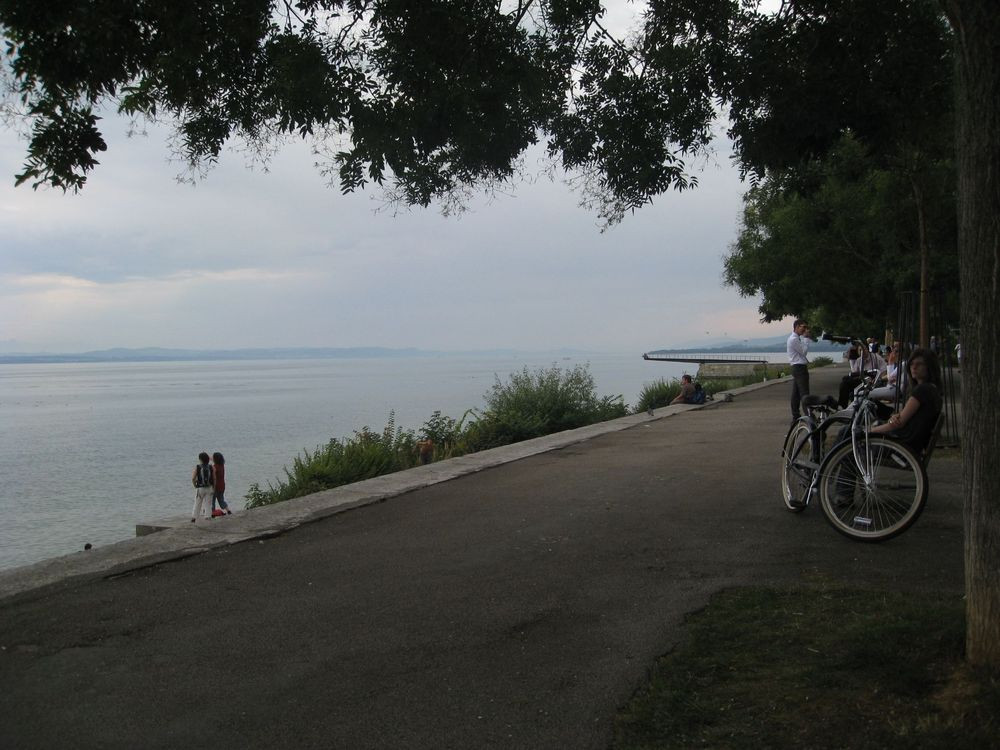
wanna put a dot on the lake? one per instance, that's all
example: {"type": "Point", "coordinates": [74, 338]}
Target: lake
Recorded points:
{"type": "Point", "coordinates": [88, 450]}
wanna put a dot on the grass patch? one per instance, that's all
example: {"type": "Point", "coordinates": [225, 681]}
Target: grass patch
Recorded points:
{"type": "Point", "coordinates": [817, 668]}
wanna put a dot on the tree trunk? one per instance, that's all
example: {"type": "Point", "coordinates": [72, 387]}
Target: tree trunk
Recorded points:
{"type": "Point", "coordinates": [977, 30]}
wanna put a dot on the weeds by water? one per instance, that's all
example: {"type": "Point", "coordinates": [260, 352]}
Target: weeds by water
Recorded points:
{"type": "Point", "coordinates": [528, 405]}
{"type": "Point", "coordinates": [533, 404]}
{"type": "Point", "coordinates": [365, 455]}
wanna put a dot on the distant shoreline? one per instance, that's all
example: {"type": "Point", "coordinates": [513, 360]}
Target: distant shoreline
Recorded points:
{"type": "Point", "coordinates": [196, 355]}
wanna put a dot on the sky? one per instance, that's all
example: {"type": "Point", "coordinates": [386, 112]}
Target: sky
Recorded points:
{"type": "Point", "coordinates": [248, 258]}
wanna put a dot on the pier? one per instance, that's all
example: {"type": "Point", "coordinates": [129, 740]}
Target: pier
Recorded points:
{"type": "Point", "coordinates": [701, 359]}
{"type": "Point", "coordinates": [718, 366]}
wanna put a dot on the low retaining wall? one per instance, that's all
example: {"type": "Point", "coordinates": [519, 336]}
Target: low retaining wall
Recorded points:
{"type": "Point", "coordinates": [708, 370]}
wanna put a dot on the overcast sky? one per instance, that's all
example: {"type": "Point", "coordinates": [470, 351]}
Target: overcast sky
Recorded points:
{"type": "Point", "coordinates": [252, 259]}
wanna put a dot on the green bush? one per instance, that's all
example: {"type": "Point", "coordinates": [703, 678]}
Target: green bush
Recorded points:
{"type": "Point", "coordinates": [532, 404]}
{"type": "Point", "coordinates": [529, 405]}
{"type": "Point", "coordinates": [657, 394]}
{"type": "Point", "coordinates": [365, 455]}
{"type": "Point", "coordinates": [446, 434]}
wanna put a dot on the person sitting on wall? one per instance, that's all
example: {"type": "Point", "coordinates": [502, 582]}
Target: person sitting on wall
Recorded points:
{"type": "Point", "coordinates": [686, 396]}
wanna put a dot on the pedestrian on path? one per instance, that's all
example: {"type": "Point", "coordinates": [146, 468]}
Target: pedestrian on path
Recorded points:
{"type": "Point", "coordinates": [798, 348]}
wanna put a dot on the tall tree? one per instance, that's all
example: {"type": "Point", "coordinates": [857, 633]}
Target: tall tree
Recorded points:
{"type": "Point", "coordinates": [889, 81]}
{"type": "Point", "coordinates": [836, 239]}
{"type": "Point", "coordinates": [441, 94]}
{"type": "Point", "coordinates": [977, 33]}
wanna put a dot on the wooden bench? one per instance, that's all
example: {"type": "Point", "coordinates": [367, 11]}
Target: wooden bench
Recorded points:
{"type": "Point", "coordinates": [925, 456]}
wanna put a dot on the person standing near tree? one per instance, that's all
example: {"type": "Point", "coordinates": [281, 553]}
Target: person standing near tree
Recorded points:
{"type": "Point", "coordinates": [798, 348]}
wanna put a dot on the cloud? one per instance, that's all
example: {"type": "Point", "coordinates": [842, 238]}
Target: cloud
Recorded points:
{"type": "Point", "coordinates": [278, 258]}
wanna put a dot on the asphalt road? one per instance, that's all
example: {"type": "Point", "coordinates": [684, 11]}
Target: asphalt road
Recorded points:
{"type": "Point", "coordinates": [517, 607]}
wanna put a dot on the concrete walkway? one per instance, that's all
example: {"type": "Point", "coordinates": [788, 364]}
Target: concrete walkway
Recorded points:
{"type": "Point", "coordinates": [516, 605]}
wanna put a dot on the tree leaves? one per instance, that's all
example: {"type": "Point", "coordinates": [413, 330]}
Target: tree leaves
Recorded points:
{"type": "Point", "coordinates": [835, 240]}
{"type": "Point", "coordinates": [441, 95]}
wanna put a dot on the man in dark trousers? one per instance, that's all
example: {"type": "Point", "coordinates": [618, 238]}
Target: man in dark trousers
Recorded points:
{"type": "Point", "coordinates": [798, 348]}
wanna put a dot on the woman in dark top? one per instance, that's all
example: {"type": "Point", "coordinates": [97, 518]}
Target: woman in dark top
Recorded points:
{"type": "Point", "coordinates": [914, 423]}
{"type": "Point", "coordinates": [219, 495]}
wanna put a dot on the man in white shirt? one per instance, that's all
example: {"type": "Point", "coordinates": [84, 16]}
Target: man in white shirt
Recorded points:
{"type": "Point", "coordinates": [798, 348]}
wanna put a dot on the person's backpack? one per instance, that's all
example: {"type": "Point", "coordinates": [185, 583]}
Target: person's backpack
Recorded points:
{"type": "Point", "coordinates": [203, 475]}
{"type": "Point", "coordinates": [699, 394]}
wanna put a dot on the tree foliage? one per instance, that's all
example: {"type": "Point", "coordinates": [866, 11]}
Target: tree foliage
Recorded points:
{"type": "Point", "coordinates": [836, 240]}
{"type": "Point", "coordinates": [437, 93]}
{"type": "Point", "coordinates": [803, 76]}
{"type": "Point", "coordinates": [436, 96]}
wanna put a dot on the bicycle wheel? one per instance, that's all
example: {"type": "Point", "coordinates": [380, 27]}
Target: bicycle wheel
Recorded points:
{"type": "Point", "coordinates": [875, 502]}
{"type": "Point", "coordinates": [796, 467]}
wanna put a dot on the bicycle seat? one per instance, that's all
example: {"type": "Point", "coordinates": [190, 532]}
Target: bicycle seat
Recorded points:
{"type": "Point", "coordinates": [827, 402]}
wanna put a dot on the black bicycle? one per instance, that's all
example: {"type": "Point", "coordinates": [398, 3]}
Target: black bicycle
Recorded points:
{"type": "Point", "coordinates": [870, 487]}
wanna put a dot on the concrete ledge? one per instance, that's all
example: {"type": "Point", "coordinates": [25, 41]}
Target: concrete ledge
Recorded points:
{"type": "Point", "coordinates": [180, 539]}
{"type": "Point", "coordinates": [710, 370]}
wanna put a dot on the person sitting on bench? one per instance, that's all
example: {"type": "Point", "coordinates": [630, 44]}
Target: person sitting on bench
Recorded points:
{"type": "Point", "coordinates": [914, 424]}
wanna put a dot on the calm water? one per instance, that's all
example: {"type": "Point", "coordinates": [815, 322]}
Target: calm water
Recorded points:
{"type": "Point", "coordinates": [88, 450]}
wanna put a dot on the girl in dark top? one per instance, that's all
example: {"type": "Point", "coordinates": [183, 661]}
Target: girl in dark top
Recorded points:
{"type": "Point", "coordinates": [219, 495]}
{"type": "Point", "coordinates": [914, 423]}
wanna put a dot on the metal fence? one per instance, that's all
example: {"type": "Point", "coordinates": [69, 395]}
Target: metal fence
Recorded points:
{"type": "Point", "coordinates": [944, 339]}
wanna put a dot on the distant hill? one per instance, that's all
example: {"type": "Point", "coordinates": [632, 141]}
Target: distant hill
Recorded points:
{"type": "Point", "coordinates": [157, 354]}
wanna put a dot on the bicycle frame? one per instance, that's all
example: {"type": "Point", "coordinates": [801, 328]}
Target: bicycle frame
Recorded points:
{"type": "Point", "coordinates": [863, 413]}
{"type": "Point", "coordinates": [861, 422]}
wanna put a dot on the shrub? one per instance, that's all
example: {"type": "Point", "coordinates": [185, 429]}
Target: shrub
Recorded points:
{"type": "Point", "coordinates": [365, 455]}
{"type": "Point", "coordinates": [532, 404]}
{"type": "Point", "coordinates": [657, 394]}
{"type": "Point", "coordinates": [446, 434]}
{"type": "Point", "coordinates": [529, 405]}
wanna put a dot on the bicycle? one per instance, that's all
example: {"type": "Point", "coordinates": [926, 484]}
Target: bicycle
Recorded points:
{"type": "Point", "coordinates": [870, 488]}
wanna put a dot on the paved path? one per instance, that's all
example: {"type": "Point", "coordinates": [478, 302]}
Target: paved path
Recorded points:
{"type": "Point", "coordinates": [515, 607]}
